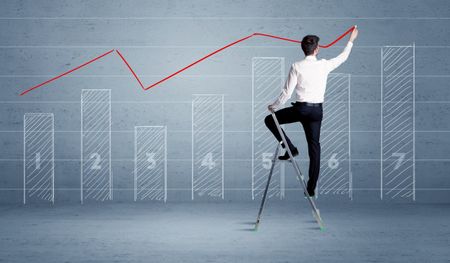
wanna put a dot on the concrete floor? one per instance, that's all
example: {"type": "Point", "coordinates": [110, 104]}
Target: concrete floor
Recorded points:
{"type": "Point", "coordinates": [222, 232]}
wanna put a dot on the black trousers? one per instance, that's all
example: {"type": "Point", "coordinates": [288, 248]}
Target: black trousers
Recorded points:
{"type": "Point", "coordinates": [311, 119]}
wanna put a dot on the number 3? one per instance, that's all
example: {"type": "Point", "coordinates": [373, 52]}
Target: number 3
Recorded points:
{"type": "Point", "coordinates": [151, 160]}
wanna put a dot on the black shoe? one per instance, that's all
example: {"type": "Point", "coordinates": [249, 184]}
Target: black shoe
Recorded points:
{"type": "Point", "coordinates": [310, 193]}
{"type": "Point", "coordinates": [286, 155]}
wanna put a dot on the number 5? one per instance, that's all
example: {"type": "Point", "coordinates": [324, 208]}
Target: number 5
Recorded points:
{"type": "Point", "coordinates": [267, 160]}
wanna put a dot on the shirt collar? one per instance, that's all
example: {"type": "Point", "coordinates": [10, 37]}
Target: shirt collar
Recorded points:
{"type": "Point", "coordinates": [311, 57]}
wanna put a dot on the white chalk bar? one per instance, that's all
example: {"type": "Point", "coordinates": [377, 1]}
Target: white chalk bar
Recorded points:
{"type": "Point", "coordinates": [335, 166]}
{"type": "Point", "coordinates": [398, 123]}
{"type": "Point", "coordinates": [96, 177]}
{"type": "Point", "coordinates": [268, 77]}
{"type": "Point", "coordinates": [207, 146]}
{"type": "Point", "coordinates": [38, 157]}
{"type": "Point", "coordinates": [150, 163]}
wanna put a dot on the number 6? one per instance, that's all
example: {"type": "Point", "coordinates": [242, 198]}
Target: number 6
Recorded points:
{"type": "Point", "coordinates": [333, 162]}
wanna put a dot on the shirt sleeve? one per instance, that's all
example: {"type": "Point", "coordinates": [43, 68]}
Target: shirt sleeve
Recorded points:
{"type": "Point", "coordinates": [286, 91]}
{"type": "Point", "coordinates": [333, 63]}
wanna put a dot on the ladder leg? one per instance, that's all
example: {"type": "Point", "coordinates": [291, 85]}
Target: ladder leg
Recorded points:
{"type": "Point", "coordinates": [299, 175]}
{"type": "Point", "coordinates": [263, 201]}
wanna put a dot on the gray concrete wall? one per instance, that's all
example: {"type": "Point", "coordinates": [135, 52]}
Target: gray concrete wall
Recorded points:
{"type": "Point", "coordinates": [39, 39]}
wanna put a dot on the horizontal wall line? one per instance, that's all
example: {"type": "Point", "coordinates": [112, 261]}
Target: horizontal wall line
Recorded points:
{"type": "Point", "coordinates": [193, 76]}
{"type": "Point", "coordinates": [110, 46]}
{"type": "Point", "coordinates": [240, 131]}
{"type": "Point", "coordinates": [235, 189]}
{"type": "Point", "coordinates": [225, 102]}
{"type": "Point", "coordinates": [234, 160]}
{"type": "Point", "coordinates": [221, 18]}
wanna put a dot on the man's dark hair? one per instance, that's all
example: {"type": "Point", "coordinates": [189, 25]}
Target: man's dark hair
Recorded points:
{"type": "Point", "coordinates": [309, 44]}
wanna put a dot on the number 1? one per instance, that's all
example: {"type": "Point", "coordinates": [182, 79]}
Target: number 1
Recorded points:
{"type": "Point", "coordinates": [38, 161]}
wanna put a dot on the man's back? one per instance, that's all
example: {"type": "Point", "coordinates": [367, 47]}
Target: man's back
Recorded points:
{"type": "Point", "coordinates": [311, 79]}
{"type": "Point", "coordinates": [308, 77]}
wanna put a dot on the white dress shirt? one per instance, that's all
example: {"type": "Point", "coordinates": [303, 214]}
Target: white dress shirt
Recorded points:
{"type": "Point", "coordinates": [308, 78]}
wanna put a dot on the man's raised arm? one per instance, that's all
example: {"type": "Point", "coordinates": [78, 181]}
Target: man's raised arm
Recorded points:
{"type": "Point", "coordinates": [333, 63]}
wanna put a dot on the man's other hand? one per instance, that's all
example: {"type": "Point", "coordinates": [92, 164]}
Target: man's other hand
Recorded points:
{"type": "Point", "coordinates": [271, 108]}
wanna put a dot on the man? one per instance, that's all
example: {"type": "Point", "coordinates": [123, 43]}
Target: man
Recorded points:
{"type": "Point", "coordinates": [308, 78]}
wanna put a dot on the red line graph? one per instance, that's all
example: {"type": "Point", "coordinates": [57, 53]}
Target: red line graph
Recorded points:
{"type": "Point", "coordinates": [182, 69]}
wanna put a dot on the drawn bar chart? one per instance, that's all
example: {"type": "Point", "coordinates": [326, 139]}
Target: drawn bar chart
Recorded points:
{"type": "Point", "coordinates": [38, 157]}
{"type": "Point", "coordinates": [207, 146]}
{"type": "Point", "coordinates": [335, 167]}
{"type": "Point", "coordinates": [398, 122]}
{"type": "Point", "coordinates": [267, 81]}
{"type": "Point", "coordinates": [96, 176]}
{"type": "Point", "coordinates": [150, 163]}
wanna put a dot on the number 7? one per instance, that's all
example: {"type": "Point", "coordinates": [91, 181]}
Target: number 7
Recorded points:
{"type": "Point", "coordinates": [401, 158]}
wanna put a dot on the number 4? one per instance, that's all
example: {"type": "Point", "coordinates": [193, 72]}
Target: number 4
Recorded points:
{"type": "Point", "coordinates": [208, 161]}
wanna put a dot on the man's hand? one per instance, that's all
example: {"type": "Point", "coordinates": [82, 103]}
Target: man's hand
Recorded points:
{"type": "Point", "coordinates": [271, 108]}
{"type": "Point", "coordinates": [354, 34]}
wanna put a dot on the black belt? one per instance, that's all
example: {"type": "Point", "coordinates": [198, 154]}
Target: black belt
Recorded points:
{"type": "Point", "coordinates": [309, 104]}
